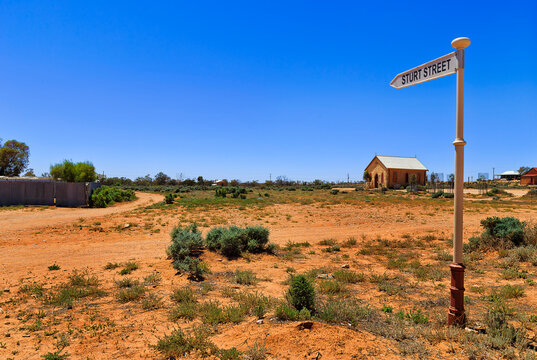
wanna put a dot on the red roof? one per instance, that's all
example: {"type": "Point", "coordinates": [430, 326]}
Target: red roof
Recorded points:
{"type": "Point", "coordinates": [531, 173]}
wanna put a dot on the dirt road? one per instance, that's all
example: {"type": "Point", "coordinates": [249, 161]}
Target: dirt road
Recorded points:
{"type": "Point", "coordinates": [35, 217]}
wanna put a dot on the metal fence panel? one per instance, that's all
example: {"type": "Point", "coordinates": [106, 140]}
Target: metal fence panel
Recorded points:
{"type": "Point", "coordinates": [71, 194]}
{"type": "Point", "coordinates": [44, 192]}
{"type": "Point", "coordinates": [39, 193]}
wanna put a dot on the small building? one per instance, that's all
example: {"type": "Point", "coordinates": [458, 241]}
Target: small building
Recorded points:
{"type": "Point", "coordinates": [395, 171]}
{"type": "Point", "coordinates": [529, 178]}
{"type": "Point", "coordinates": [220, 183]}
{"type": "Point", "coordinates": [509, 175]}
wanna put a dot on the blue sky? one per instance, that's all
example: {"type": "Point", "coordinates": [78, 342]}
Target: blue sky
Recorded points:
{"type": "Point", "coordinates": [246, 89]}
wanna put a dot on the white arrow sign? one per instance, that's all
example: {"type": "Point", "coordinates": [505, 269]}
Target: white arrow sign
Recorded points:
{"type": "Point", "coordinates": [443, 66]}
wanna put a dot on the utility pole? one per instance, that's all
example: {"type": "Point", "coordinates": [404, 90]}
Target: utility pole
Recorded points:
{"type": "Point", "coordinates": [492, 174]}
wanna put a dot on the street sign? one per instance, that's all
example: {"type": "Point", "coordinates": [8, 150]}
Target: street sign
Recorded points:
{"type": "Point", "coordinates": [446, 65]}
{"type": "Point", "coordinates": [443, 66]}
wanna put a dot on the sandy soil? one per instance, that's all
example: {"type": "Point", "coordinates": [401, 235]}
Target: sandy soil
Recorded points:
{"type": "Point", "coordinates": [39, 217]}
{"type": "Point", "coordinates": [77, 239]}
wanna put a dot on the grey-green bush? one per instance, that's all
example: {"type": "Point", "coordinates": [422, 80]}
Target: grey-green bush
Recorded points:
{"type": "Point", "coordinates": [186, 247]}
{"type": "Point", "coordinates": [233, 240]}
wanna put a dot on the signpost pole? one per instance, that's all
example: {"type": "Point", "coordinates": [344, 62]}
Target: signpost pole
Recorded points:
{"type": "Point", "coordinates": [456, 314]}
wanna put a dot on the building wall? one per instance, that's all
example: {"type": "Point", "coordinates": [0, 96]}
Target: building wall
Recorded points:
{"type": "Point", "coordinates": [379, 174]}
{"type": "Point", "coordinates": [402, 177]}
{"type": "Point", "coordinates": [529, 180]}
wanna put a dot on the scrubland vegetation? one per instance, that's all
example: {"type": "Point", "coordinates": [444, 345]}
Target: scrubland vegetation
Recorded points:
{"type": "Point", "coordinates": [234, 278]}
{"type": "Point", "coordinates": [105, 196]}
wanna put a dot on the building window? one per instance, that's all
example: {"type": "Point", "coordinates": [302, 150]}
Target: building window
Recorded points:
{"type": "Point", "coordinates": [382, 178]}
{"type": "Point", "coordinates": [395, 177]}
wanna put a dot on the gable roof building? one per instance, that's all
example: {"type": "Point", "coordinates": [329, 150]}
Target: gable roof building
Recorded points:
{"type": "Point", "coordinates": [529, 178]}
{"type": "Point", "coordinates": [395, 171]}
{"type": "Point", "coordinates": [509, 175]}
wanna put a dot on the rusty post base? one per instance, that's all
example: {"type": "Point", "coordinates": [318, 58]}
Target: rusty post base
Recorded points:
{"type": "Point", "coordinates": [456, 314]}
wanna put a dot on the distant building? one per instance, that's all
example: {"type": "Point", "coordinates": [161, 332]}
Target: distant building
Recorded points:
{"type": "Point", "coordinates": [220, 183]}
{"type": "Point", "coordinates": [529, 178]}
{"type": "Point", "coordinates": [395, 171]}
{"type": "Point", "coordinates": [509, 175]}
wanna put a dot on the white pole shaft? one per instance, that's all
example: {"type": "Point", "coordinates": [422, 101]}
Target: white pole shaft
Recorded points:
{"type": "Point", "coordinates": [459, 168]}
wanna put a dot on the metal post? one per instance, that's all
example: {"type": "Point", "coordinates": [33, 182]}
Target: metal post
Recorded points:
{"type": "Point", "coordinates": [456, 314]}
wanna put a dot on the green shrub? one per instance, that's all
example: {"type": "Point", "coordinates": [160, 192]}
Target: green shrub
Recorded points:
{"type": "Point", "coordinates": [334, 191]}
{"type": "Point", "coordinates": [178, 344]}
{"type": "Point", "coordinates": [168, 199]}
{"type": "Point", "coordinates": [437, 194]}
{"type": "Point", "coordinates": [233, 240]}
{"type": "Point", "coordinates": [417, 317]}
{"type": "Point", "coordinates": [286, 312]}
{"type": "Point", "coordinates": [80, 285]}
{"type": "Point", "coordinates": [185, 310]}
{"type": "Point", "coordinates": [220, 192]}
{"type": "Point", "coordinates": [229, 354]}
{"type": "Point", "coordinates": [500, 233]}
{"type": "Point", "coordinates": [350, 242]}
{"type": "Point", "coordinates": [496, 192]}
{"type": "Point", "coordinates": [151, 302]}
{"type": "Point", "coordinates": [245, 277]}
{"type": "Point", "coordinates": [258, 237]}
{"type": "Point", "coordinates": [105, 196]}
{"type": "Point", "coordinates": [131, 293]}
{"type": "Point", "coordinates": [186, 247]}
{"type": "Point", "coordinates": [301, 293]}
{"type": "Point", "coordinates": [129, 268]}
{"type": "Point", "coordinates": [183, 295]}
{"type": "Point", "coordinates": [498, 328]}
{"type": "Point", "coordinates": [212, 240]}
{"type": "Point", "coordinates": [55, 356]}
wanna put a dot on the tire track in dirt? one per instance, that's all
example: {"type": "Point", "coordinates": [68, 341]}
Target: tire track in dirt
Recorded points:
{"type": "Point", "coordinates": [36, 218]}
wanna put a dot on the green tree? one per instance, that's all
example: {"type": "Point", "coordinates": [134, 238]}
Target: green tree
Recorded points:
{"type": "Point", "coordinates": [14, 157]}
{"type": "Point", "coordinates": [71, 172]}
{"type": "Point", "coordinates": [523, 170]}
{"type": "Point", "coordinates": [367, 176]}
{"type": "Point", "coordinates": [161, 179]}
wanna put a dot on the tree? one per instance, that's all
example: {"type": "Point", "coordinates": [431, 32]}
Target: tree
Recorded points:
{"type": "Point", "coordinates": [14, 157]}
{"type": "Point", "coordinates": [29, 172]}
{"type": "Point", "coordinates": [73, 172]}
{"type": "Point", "coordinates": [200, 180]}
{"type": "Point", "coordinates": [367, 176]}
{"type": "Point", "coordinates": [523, 170]}
{"type": "Point", "coordinates": [162, 179]}
{"type": "Point", "coordinates": [144, 181]}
